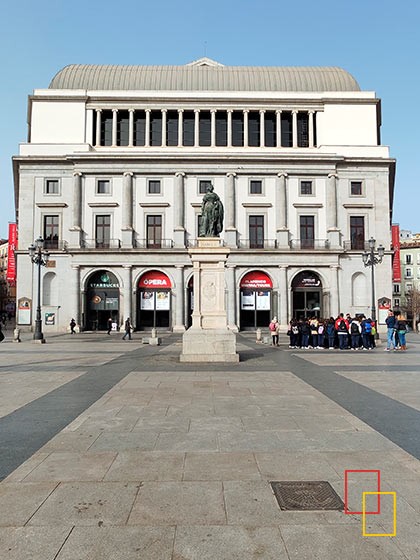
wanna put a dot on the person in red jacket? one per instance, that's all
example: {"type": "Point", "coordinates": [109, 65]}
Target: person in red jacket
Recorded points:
{"type": "Point", "coordinates": [342, 328]}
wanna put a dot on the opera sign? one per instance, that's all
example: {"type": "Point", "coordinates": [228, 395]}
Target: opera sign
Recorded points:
{"type": "Point", "coordinates": [154, 279]}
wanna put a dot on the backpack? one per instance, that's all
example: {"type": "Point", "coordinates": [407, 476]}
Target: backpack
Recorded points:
{"type": "Point", "coordinates": [354, 329]}
{"type": "Point", "coordinates": [368, 327]}
{"type": "Point", "coordinates": [342, 326]}
{"type": "Point", "coordinates": [295, 329]}
{"type": "Point", "coordinates": [330, 329]}
{"type": "Point", "coordinates": [272, 326]}
{"type": "Point", "coordinates": [373, 330]}
{"type": "Point", "coordinates": [321, 329]}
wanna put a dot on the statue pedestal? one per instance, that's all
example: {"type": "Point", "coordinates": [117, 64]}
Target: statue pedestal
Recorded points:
{"type": "Point", "coordinates": [209, 339]}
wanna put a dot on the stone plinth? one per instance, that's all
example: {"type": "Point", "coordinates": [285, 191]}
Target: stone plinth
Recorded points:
{"type": "Point", "coordinates": [209, 339]}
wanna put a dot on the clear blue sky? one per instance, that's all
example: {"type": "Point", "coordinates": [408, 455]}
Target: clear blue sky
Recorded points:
{"type": "Point", "coordinates": [375, 40]}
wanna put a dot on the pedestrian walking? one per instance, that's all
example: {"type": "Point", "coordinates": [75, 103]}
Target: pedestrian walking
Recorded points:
{"type": "Point", "coordinates": [402, 331]}
{"type": "Point", "coordinates": [390, 325]}
{"type": "Point", "coordinates": [109, 325]}
{"type": "Point", "coordinates": [127, 327]}
{"type": "Point", "coordinates": [72, 325]}
{"type": "Point", "coordinates": [342, 328]}
{"type": "Point", "coordinates": [355, 332]}
{"type": "Point", "coordinates": [273, 327]}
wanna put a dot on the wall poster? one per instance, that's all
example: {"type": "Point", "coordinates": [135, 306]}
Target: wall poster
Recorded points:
{"type": "Point", "coordinates": [263, 300]}
{"type": "Point", "coordinates": [248, 300]}
{"type": "Point", "coordinates": [147, 301]}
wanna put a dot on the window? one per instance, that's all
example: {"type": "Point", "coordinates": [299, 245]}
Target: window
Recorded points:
{"type": "Point", "coordinates": [238, 128]}
{"type": "Point", "coordinates": [356, 188]}
{"type": "Point", "coordinates": [286, 130]}
{"type": "Point", "coordinates": [408, 273]}
{"type": "Point", "coordinates": [172, 128]}
{"type": "Point", "coordinates": [106, 128]}
{"type": "Point", "coordinates": [154, 232]}
{"type": "Point", "coordinates": [253, 128]}
{"type": "Point", "coordinates": [122, 128]}
{"type": "Point", "coordinates": [139, 128]}
{"type": "Point", "coordinates": [221, 128]}
{"type": "Point", "coordinates": [51, 225]}
{"type": "Point", "coordinates": [156, 128]}
{"type": "Point", "coordinates": [396, 302]}
{"type": "Point", "coordinates": [357, 233]}
{"type": "Point", "coordinates": [270, 138]}
{"type": "Point", "coordinates": [188, 128]}
{"type": "Point", "coordinates": [408, 287]}
{"type": "Point", "coordinates": [307, 232]}
{"type": "Point", "coordinates": [103, 186]}
{"type": "Point", "coordinates": [303, 130]}
{"type": "Point", "coordinates": [306, 187]}
{"type": "Point", "coordinates": [256, 232]}
{"type": "Point", "coordinates": [154, 186]}
{"type": "Point", "coordinates": [255, 187]}
{"type": "Point", "coordinates": [408, 259]}
{"type": "Point", "coordinates": [205, 128]}
{"type": "Point", "coordinates": [52, 186]}
{"type": "Point", "coordinates": [202, 186]}
{"type": "Point", "coordinates": [103, 231]}
{"type": "Point", "coordinates": [397, 288]}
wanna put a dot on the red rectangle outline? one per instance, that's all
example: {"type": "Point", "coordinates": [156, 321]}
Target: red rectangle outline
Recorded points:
{"type": "Point", "coordinates": [345, 493]}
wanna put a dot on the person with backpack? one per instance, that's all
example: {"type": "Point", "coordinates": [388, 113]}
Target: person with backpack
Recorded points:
{"type": "Point", "coordinates": [294, 334]}
{"type": "Point", "coordinates": [401, 327]}
{"type": "Point", "coordinates": [330, 332]}
{"type": "Point", "coordinates": [305, 330]}
{"type": "Point", "coordinates": [372, 333]}
{"type": "Point", "coordinates": [273, 328]}
{"type": "Point", "coordinates": [366, 333]}
{"type": "Point", "coordinates": [314, 324]}
{"type": "Point", "coordinates": [355, 331]}
{"type": "Point", "coordinates": [342, 328]}
{"type": "Point", "coordinates": [321, 335]}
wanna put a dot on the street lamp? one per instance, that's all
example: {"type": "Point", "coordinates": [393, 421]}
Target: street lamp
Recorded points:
{"type": "Point", "coordinates": [39, 257]}
{"type": "Point", "coordinates": [372, 258]}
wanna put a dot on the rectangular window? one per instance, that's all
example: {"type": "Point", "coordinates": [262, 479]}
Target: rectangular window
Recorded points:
{"type": "Point", "coordinates": [396, 302]}
{"type": "Point", "coordinates": [256, 232]}
{"type": "Point", "coordinates": [270, 137]}
{"type": "Point", "coordinates": [303, 130]}
{"type": "Point", "coordinates": [156, 128]}
{"type": "Point", "coordinates": [408, 259]}
{"type": "Point", "coordinates": [139, 128]}
{"type": "Point", "coordinates": [286, 130]}
{"type": "Point", "coordinates": [103, 186]}
{"type": "Point", "coordinates": [397, 288]}
{"type": "Point", "coordinates": [255, 187]}
{"type": "Point", "coordinates": [357, 233]}
{"type": "Point", "coordinates": [198, 224]}
{"type": "Point", "coordinates": [307, 232]}
{"type": "Point", "coordinates": [172, 128]}
{"type": "Point", "coordinates": [253, 128]}
{"type": "Point", "coordinates": [221, 128]}
{"type": "Point", "coordinates": [202, 186]}
{"type": "Point", "coordinates": [408, 273]}
{"type": "Point", "coordinates": [188, 128]}
{"type": "Point", "coordinates": [356, 188]}
{"type": "Point", "coordinates": [122, 128]}
{"type": "Point", "coordinates": [154, 232]}
{"type": "Point", "coordinates": [306, 187]}
{"type": "Point", "coordinates": [237, 128]}
{"type": "Point", "coordinates": [51, 186]}
{"type": "Point", "coordinates": [153, 186]}
{"type": "Point", "coordinates": [106, 128]}
{"type": "Point", "coordinates": [103, 231]}
{"type": "Point", "coordinates": [408, 287]}
{"type": "Point", "coordinates": [51, 231]}
{"type": "Point", "coordinates": [204, 128]}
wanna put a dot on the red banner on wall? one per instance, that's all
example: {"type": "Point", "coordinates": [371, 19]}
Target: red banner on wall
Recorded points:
{"type": "Point", "coordinates": [396, 262]}
{"type": "Point", "coordinates": [11, 259]}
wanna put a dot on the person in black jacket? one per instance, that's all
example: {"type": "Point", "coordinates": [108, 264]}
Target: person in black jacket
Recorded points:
{"type": "Point", "coordinates": [390, 321]}
{"type": "Point", "coordinates": [305, 330]}
{"type": "Point", "coordinates": [401, 327]}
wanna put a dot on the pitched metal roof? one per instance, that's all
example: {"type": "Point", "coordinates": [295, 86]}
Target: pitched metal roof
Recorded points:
{"type": "Point", "coordinates": [204, 77]}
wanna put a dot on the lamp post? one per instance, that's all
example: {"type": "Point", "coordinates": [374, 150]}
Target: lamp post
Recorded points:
{"type": "Point", "coordinates": [372, 258]}
{"type": "Point", "coordinates": [39, 257]}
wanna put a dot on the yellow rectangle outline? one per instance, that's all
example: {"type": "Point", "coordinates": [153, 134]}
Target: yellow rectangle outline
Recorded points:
{"type": "Point", "coordinates": [364, 516]}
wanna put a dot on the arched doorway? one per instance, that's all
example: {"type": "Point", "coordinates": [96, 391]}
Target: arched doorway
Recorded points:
{"type": "Point", "coordinates": [307, 295]}
{"type": "Point", "coordinates": [103, 300]}
{"type": "Point", "coordinates": [154, 301]}
{"type": "Point", "coordinates": [255, 299]}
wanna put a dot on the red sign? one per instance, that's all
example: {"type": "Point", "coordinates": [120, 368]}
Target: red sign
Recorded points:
{"type": "Point", "coordinates": [396, 261]}
{"type": "Point", "coordinates": [256, 280]}
{"type": "Point", "coordinates": [154, 279]}
{"type": "Point", "coordinates": [11, 259]}
{"type": "Point", "coordinates": [307, 279]}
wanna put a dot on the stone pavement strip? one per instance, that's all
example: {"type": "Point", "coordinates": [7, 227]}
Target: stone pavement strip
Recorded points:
{"type": "Point", "coordinates": [164, 461]}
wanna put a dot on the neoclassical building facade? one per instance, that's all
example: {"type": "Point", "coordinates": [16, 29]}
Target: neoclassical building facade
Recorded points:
{"type": "Point", "coordinates": [118, 158]}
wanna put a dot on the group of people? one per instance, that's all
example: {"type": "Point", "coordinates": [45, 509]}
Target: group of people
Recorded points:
{"type": "Point", "coordinates": [344, 332]}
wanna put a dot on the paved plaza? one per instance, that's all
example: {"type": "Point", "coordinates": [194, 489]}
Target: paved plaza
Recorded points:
{"type": "Point", "coordinates": [115, 450]}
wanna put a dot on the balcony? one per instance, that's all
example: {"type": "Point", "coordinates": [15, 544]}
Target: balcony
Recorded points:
{"type": "Point", "coordinates": [356, 245]}
{"type": "Point", "coordinates": [153, 243]}
{"type": "Point", "coordinates": [101, 244]}
{"type": "Point", "coordinates": [55, 245]}
{"type": "Point", "coordinates": [309, 244]}
{"type": "Point", "coordinates": [257, 244]}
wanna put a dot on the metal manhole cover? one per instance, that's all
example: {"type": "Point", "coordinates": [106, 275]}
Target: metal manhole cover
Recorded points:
{"type": "Point", "coordinates": [304, 496]}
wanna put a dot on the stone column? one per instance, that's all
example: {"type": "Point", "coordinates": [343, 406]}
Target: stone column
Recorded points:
{"type": "Point", "coordinates": [147, 126]}
{"type": "Point", "coordinates": [179, 325]}
{"type": "Point", "coordinates": [127, 210]}
{"type": "Point", "coordinates": [311, 128]}
{"type": "Point", "coordinates": [114, 126]}
{"type": "Point", "coordinates": [246, 112]}
{"type": "Point", "coordinates": [75, 290]}
{"type": "Point", "coordinates": [262, 128]}
{"type": "Point", "coordinates": [294, 128]}
{"type": "Point", "coordinates": [126, 291]}
{"type": "Point", "coordinates": [334, 294]}
{"type": "Point", "coordinates": [130, 127]}
{"type": "Point", "coordinates": [180, 128]}
{"type": "Point", "coordinates": [230, 222]}
{"type": "Point", "coordinates": [213, 127]}
{"type": "Point", "coordinates": [231, 298]}
{"type": "Point", "coordinates": [284, 297]}
{"type": "Point", "coordinates": [164, 112]}
{"type": "Point", "coordinates": [229, 128]}
{"type": "Point", "coordinates": [196, 127]}
{"type": "Point", "coordinates": [179, 204]}
{"type": "Point", "coordinates": [278, 128]}
{"type": "Point", "coordinates": [333, 232]}
{"type": "Point", "coordinates": [76, 228]}
{"type": "Point", "coordinates": [281, 211]}
{"type": "Point", "coordinates": [98, 127]}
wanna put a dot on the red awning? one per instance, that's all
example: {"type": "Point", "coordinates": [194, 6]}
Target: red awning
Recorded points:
{"type": "Point", "coordinates": [256, 280]}
{"type": "Point", "coordinates": [154, 279]}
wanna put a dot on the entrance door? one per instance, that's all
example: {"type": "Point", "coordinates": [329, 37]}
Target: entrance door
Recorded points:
{"type": "Point", "coordinates": [255, 300]}
{"type": "Point", "coordinates": [307, 295]}
{"type": "Point", "coordinates": [154, 301]}
{"type": "Point", "coordinates": [102, 300]}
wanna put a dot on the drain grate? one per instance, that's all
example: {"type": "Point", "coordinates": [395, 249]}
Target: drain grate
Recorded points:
{"type": "Point", "coordinates": [306, 496]}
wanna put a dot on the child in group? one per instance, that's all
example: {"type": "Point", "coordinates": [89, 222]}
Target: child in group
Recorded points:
{"type": "Point", "coordinates": [355, 332]}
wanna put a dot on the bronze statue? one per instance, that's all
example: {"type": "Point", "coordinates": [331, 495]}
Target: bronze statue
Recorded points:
{"type": "Point", "coordinates": [211, 214]}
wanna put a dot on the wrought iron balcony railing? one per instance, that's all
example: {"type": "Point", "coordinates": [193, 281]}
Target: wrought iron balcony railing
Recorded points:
{"type": "Point", "coordinates": [153, 243]}
{"type": "Point", "coordinates": [101, 244]}
{"type": "Point", "coordinates": [55, 245]}
{"type": "Point", "coordinates": [309, 244]}
{"type": "Point", "coordinates": [356, 245]}
{"type": "Point", "coordinates": [257, 244]}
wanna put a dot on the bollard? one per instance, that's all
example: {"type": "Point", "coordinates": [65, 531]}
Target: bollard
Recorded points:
{"type": "Point", "coordinates": [16, 335]}
{"type": "Point", "coordinates": [259, 335]}
{"type": "Point", "coordinates": [154, 333]}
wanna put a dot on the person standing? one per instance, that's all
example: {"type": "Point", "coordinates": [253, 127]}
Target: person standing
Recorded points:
{"type": "Point", "coordinates": [390, 325]}
{"type": "Point", "coordinates": [321, 334]}
{"type": "Point", "coordinates": [109, 325]}
{"type": "Point", "coordinates": [342, 328]}
{"type": "Point", "coordinates": [127, 327]}
{"type": "Point", "coordinates": [366, 333]}
{"type": "Point", "coordinates": [72, 325]}
{"type": "Point", "coordinates": [294, 338]}
{"type": "Point", "coordinates": [355, 331]}
{"type": "Point", "coordinates": [314, 331]}
{"type": "Point", "coordinates": [305, 330]}
{"type": "Point", "coordinates": [402, 331]}
{"type": "Point", "coordinates": [273, 327]}
{"type": "Point", "coordinates": [330, 329]}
